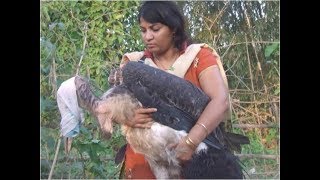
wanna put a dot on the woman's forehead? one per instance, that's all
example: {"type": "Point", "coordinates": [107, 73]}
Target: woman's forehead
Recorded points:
{"type": "Point", "coordinates": [145, 23]}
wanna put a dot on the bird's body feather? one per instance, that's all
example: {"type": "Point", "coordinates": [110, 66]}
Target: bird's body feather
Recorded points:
{"type": "Point", "coordinates": [179, 104]}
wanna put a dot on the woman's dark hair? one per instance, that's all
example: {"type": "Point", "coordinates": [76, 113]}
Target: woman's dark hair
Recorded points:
{"type": "Point", "coordinates": [167, 13]}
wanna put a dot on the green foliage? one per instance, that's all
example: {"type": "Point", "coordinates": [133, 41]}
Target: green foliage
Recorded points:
{"type": "Point", "coordinates": [261, 143]}
{"type": "Point", "coordinates": [66, 24]}
{"type": "Point", "coordinates": [90, 156]}
{"type": "Point", "coordinates": [107, 27]}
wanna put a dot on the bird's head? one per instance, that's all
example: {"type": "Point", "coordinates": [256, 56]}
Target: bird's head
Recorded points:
{"type": "Point", "coordinates": [116, 105]}
{"type": "Point", "coordinates": [99, 108]}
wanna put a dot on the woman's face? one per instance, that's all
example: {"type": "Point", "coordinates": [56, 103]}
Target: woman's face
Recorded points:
{"type": "Point", "coordinates": [156, 36]}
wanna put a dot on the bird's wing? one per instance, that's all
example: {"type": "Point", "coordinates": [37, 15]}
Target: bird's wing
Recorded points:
{"type": "Point", "coordinates": [179, 103]}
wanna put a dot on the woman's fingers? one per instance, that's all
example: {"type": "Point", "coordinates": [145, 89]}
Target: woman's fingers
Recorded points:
{"type": "Point", "coordinates": [142, 118]}
{"type": "Point", "coordinates": [146, 110]}
{"type": "Point", "coordinates": [143, 115]}
{"type": "Point", "coordinates": [145, 120]}
{"type": "Point", "coordinates": [183, 151]}
{"type": "Point", "coordinates": [145, 125]}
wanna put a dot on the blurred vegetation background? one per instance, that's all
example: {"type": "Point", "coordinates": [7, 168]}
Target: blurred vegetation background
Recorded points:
{"type": "Point", "coordinates": [98, 33]}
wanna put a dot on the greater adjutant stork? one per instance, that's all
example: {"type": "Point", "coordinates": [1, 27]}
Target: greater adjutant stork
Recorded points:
{"type": "Point", "coordinates": [179, 104]}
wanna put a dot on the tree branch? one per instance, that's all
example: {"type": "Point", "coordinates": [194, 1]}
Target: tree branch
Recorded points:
{"type": "Point", "coordinates": [262, 156]}
{"type": "Point", "coordinates": [254, 125]}
{"type": "Point", "coordinates": [84, 46]}
{"type": "Point", "coordinates": [55, 158]}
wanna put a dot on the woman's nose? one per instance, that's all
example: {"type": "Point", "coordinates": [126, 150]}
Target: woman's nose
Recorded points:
{"type": "Point", "coordinates": [148, 35]}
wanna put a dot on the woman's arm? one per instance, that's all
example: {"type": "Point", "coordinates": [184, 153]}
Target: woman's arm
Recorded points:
{"type": "Point", "coordinates": [212, 84]}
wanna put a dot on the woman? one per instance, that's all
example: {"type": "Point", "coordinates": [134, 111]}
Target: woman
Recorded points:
{"type": "Point", "coordinates": [168, 48]}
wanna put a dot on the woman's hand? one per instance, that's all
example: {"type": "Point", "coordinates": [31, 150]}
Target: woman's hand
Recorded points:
{"type": "Point", "coordinates": [142, 118]}
{"type": "Point", "coordinates": [184, 151]}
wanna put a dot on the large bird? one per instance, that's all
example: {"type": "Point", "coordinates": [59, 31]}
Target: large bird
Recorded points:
{"type": "Point", "coordinates": [176, 114]}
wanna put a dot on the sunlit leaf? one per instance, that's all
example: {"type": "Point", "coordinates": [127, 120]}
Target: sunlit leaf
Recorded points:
{"type": "Point", "coordinates": [270, 49]}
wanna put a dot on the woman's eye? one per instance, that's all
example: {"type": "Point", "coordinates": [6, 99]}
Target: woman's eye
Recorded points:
{"type": "Point", "coordinates": [155, 29]}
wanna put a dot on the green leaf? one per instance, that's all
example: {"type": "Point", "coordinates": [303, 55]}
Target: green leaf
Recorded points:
{"type": "Point", "coordinates": [118, 16]}
{"type": "Point", "coordinates": [95, 141]}
{"type": "Point", "coordinates": [270, 49]}
{"type": "Point", "coordinates": [277, 91]}
{"type": "Point", "coordinates": [45, 104]}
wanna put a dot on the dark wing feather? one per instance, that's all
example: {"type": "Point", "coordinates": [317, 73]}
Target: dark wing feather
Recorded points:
{"type": "Point", "coordinates": [167, 113]}
{"type": "Point", "coordinates": [171, 89]}
{"type": "Point", "coordinates": [178, 101]}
